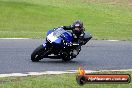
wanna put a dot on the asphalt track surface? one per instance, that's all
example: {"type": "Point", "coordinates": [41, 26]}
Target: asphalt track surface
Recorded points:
{"type": "Point", "coordinates": [95, 55]}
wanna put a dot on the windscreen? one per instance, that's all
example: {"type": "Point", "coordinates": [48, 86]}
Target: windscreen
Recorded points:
{"type": "Point", "coordinates": [58, 32]}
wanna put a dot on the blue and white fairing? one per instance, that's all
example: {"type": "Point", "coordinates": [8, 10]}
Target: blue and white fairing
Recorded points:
{"type": "Point", "coordinates": [58, 35]}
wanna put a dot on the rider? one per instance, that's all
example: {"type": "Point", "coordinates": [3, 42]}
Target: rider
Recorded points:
{"type": "Point", "coordinates": [78, 35]}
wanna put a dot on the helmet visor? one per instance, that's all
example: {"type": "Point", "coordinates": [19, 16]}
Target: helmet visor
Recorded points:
{"type": "Point", "coordinates": [77, 27]}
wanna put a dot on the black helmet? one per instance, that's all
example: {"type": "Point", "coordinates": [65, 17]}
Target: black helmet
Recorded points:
{"type": "Point", "coordinates": [77, 27]}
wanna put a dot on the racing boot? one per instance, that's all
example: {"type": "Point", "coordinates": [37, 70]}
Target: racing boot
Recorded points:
{"type": "Point", "coordinates": [74, 53]}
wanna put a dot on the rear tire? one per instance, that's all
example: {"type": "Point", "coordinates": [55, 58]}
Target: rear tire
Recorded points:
{"type": "Point", "coordinates": [37, 54]}
{"type": "Point", "coordinates": [67, 57]}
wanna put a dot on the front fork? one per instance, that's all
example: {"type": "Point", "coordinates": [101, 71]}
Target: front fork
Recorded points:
{"type": "Point", "coordinates": [47, 50]}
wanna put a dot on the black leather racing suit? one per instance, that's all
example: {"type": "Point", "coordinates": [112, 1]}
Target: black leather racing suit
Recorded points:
{"type": "Point", "coordinates": [77, 38]}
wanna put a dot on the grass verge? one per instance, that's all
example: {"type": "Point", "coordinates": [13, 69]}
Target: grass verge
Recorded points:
{"type": "Point", "coordinates": [56, 81]}
{"type": "Point", "coordinates": [105, 19]}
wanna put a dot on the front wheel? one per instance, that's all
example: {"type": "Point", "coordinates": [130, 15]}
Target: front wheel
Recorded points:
{"type": "Point", "coordinates": [37, 54]}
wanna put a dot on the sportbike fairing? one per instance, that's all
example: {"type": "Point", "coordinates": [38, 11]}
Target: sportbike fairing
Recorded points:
{"type": "Point", "coordinates": [56, 36]}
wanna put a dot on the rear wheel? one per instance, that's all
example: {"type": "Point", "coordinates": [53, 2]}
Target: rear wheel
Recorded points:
{"type": "Point", "coordinates": [66, 57]}
{"type": "Point", "coordinates": [38, 53]}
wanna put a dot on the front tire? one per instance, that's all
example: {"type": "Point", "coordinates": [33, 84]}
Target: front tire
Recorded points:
{"type": "Point", "coordinates": [37, 54]}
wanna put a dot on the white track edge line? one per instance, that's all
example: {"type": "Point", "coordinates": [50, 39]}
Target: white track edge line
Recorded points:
{"type": "Point", "coordinates": [53, 72]}
{"type": "Point", "coordinates": [113, 40]}
{"type": "Point", "coordinates": [14, 38]}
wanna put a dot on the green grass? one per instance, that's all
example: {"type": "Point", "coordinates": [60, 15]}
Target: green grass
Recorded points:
{"type": "Point", "coordinates": [55, 81]}
{"type": "Point", "coordinates": [105, 19]}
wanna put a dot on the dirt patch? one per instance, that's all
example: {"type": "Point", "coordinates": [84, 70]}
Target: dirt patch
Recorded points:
{"type": "Point", "coordinates": [111, 2]}
{"type": "Point", "coordinates": [101, 1]}
{"type": "Point", "coordinates": [14, 79]}
{"type": "Point", "coordinates": [3, 81]}
{"type": "Point", "coordinates": [130, 4]}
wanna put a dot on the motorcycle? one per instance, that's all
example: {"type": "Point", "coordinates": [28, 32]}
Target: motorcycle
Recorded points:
{"type": "Point", "coordinates": [58, 45]}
